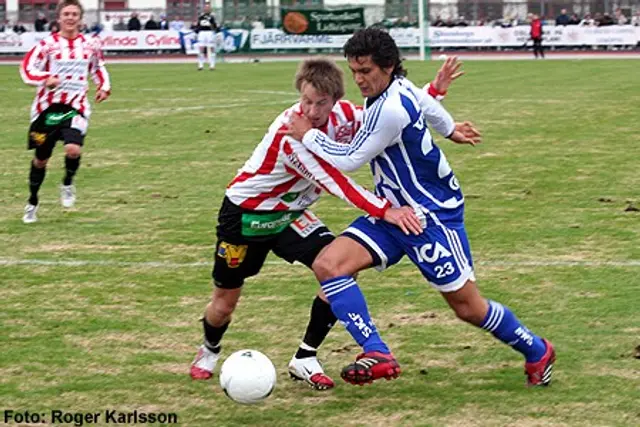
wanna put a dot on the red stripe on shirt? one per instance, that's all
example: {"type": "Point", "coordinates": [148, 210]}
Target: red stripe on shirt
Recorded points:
{"type": "Point", "coordinates": [25, 68]}
{"type": "Point", "coordinates": [350, 192]}
{"type": "Point", "coordinates": [254, 202]}
{"type": "Point", "coordinates": [347, 110]}
{"type": "Point", "coordinates": [269, 161]}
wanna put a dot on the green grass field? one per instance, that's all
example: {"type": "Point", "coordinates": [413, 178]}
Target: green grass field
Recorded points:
{"type": "Point", "coordinates": [548, 215]}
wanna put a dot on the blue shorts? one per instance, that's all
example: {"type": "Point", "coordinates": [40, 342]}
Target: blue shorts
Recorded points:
{"type": "Point", "coordinates": [441, 252]}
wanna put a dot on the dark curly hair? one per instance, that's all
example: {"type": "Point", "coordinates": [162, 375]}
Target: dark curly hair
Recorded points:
{"type": "Point", "coordinates": [377, 43]}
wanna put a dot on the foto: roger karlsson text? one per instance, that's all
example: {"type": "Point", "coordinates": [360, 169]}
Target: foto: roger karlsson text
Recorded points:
{"type": "Point", "coordinates": [80, 418]}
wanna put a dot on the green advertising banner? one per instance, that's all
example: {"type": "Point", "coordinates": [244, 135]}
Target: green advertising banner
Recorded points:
{"type": "Point", "coordinates": [322, 21]}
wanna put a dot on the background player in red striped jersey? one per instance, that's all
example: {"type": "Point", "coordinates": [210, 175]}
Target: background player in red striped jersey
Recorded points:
{"type": "Point", "coordinates": [59, 66]}
{"type": "Point", "coordinates": [265, 209]}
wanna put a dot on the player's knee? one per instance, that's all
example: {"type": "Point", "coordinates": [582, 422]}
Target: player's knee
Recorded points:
{"type": "Point", "coordinates": [223, 302]}
{"type": "Point", "coordinates": [468, 313]}
{"type": "Point", "coordinates": [326, 267]}
{"type": "Point", "coordinates": [72, 151]}
{"type": "Point", "coordinates": [40, 164]}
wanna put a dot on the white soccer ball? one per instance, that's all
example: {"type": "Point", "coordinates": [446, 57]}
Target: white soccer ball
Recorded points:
{"type": "Point", "coordinates": [247, 376]}
{"type": "Point", "coordinates": [442, 57]}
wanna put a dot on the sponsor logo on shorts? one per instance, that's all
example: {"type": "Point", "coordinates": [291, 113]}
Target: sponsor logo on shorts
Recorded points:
{"type": "Point", "coordinates": [38, 137]}
{"type": "Point", "coordinates": [233, 254]}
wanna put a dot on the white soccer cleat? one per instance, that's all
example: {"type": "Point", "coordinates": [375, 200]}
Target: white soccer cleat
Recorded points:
{"type": "Point", "coordinates": [308, 369]}
{"type": "Point", "coordinates": [203, 365]}
{"type": "Point", "coordinates": [29, 216]}
{"type": "Point", "coordinates": [67, 196]}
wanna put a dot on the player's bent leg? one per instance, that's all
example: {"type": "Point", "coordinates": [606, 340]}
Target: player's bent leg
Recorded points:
{"type": "Point", "coordinates": [335, 268]}
{"type": "Point", "coordinates": [215, 323]}
{"type": "Point", "coordinates": [37, 173]}
{"type": "Point", "coordinates": [304, 364]}
{"type": "Point", "coordinates": [343, 257]}
{"type": "Point", "coordinates": [496, 318]}
{"type": "Point", "coordinates": [73, 153]}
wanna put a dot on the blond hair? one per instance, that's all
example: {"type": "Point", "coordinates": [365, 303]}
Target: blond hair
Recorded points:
{"type": "Point", "coordinates": [323, 74]}
{"type": "Point", "coordinates": [64, 3]}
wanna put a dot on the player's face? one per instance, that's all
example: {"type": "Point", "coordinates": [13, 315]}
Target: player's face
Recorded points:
{"type": "Point", "coordinates": [69, 19]}
{"type": "Point", "coordinates": [370, 78]}
{"type": "Point", "coordinates": [315, 106]}
{"type": "Point", "coordinates": [207, 8]}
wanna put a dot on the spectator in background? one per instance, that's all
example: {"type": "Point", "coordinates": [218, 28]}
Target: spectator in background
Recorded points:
{"type": "Point", "coordinates": [574, 20]}
{"type": "Point", "coordinates": [257, 24]}
{"type": "Point", "coordinates": [462, 22]}
{"type": "Point", "coordinates": [635, 20]}
{"type": "Point", "coordinates": [120, 25]}
{"type": "Point", "coordinates": [620, 18]}
{"type": "Point", "coordinates": [177, 24]}
{"type": "Point", "coordinates": [438, 22]}
{"type": "Point", "coordinates": [606, 21]}
{"type": "Point", "coordinates": [40, 24]}
{"type": "Point", "coordinates": [163, 24]}
{"type": "Point", "coordinates": [134, 23]}
{"type": "Point", "coordinates": [151, 24]}
{"type": "Point", "coordinates": [107, 24]}
{"type": "Point", "coordinates": [536, 36]}
{"type": "Point", "coordinates": [54, 27]}
{"type": "Point", "coordinates": [563, 18]}
{"type": "Point", "coordinates": [587, 21]}
{"type": "Point", "coordinates": [19, 28]}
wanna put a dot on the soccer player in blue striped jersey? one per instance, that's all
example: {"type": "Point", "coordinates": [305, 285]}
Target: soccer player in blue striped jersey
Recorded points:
{"type": "Point", "coordinates": [408, 169]}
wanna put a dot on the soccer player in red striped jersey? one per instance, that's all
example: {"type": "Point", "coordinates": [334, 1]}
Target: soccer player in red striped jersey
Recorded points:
{"type": "Point", "coordinates": [266, 209]}
{"type": "Point", "coordinates": [59, 66]}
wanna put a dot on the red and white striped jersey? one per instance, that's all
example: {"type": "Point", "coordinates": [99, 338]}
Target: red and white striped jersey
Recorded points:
{"type": "Point", "coordinates": [283, 175]}
{"type": "Point", "coordinates": [70, 60]}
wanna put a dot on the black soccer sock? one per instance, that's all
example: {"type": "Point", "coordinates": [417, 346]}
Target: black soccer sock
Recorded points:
{"type": "Point", "coordinates": [321, 321]}
{"type": "Point", "coordinates": [213, 335]}
{"type": "Point", "coordinates": [36, 177]}
{"type": "Point", "coordinates": [71, 166]}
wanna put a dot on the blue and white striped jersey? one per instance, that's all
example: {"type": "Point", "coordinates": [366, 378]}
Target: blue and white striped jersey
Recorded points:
{"type": "Point", "coordinates": [408, 168]}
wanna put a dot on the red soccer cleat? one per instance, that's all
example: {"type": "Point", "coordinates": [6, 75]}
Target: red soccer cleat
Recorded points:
{"type": "Point", "coordinates": [539, 373]}
{"type": "Point", "coordinates": [371, 366]}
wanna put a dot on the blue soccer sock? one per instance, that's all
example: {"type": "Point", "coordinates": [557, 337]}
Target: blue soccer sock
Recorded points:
{"type": "Point", "coordinates": [505, 326]}
{"type": "Point", "coordinates": [350, 307]}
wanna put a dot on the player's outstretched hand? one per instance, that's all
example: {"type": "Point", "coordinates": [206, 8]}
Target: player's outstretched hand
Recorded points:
{"type": "Point", "coordinates": [298, 126]}
{"type": "Point", "coordinates": [448, 72]}
{"type": "Point", "coordinates": [466, 133]}
{"type": "Point", "coordinates": [101, 95]}
{"type": "Point", "coordinates": [405, 218]}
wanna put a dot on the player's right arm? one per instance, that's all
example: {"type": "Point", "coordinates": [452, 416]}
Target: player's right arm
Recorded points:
{"type": "Point", "coordinates": [327, 177]}
{"type": "Point", "coordinates": [32, 68]}
{"type": "Point", "coordinates": [382, 125]}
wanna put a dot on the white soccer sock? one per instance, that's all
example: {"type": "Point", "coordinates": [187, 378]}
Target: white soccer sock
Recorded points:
{"type": "Point", "coordinates": [200, 60]}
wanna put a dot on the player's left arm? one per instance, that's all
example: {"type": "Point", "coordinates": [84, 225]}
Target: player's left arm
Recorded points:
{"type": "Point", "coordinates": [381, 128]}
{"type": "Point", "coordinates": [447, 74]}
{"type": "Point", "coordinates": [334, 182]}
{"type": "Point", "coordinates": [99, 74]}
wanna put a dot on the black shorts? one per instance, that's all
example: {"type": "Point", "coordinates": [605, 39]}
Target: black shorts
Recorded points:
{"type": "Point", "coordinates": [241, 252]}
{"type": "Point", "coordinates": [53, 124]}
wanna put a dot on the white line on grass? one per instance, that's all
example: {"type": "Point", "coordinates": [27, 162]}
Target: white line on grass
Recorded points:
{"type": "Point", "coordinates": [196, 107]}
{"type": "Point", "coordinates": [174, 89]}
{"type": "Point", "coordinates": [163, 264]}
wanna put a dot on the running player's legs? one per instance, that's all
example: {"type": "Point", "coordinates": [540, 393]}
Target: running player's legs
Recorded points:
{"type": "Point", "coordinates": [362, 245]}
{"type": "Point", "coordinates": [42, 138]}
{"type": "Point", "coordinates": [443, 255]}
{"type": "Point", "coordinates": [302, 241]}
